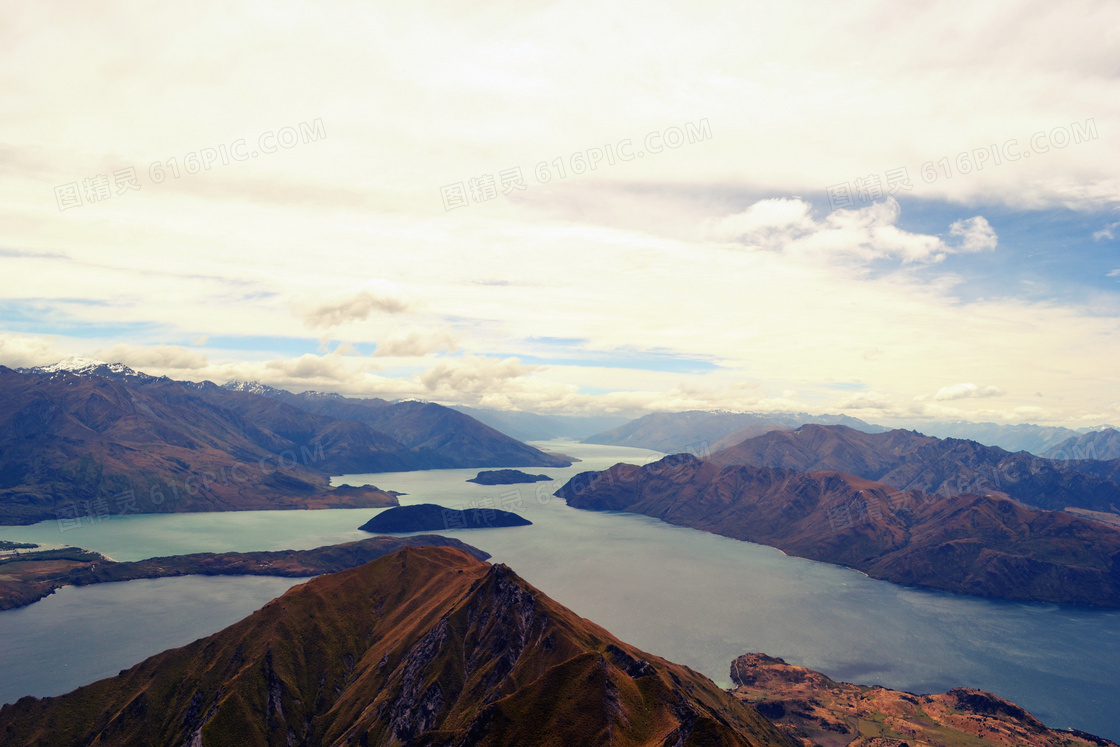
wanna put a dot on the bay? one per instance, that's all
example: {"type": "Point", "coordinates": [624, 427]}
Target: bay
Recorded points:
{"type": "Point", "coordinates": [692, 597]}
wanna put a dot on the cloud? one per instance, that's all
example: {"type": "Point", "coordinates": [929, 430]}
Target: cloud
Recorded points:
{"type": "Point", "coordinates": [160, 358]}
{"type": "Point", "coordinates": [975, 234]}
{"type": "Point", "coordinates": [416, 343]}
{"type": "Point", "coordinates": [1106, 232]}
{"type": "Point", "coordinates": [863, 234]}
{"type": "Point", "coordinates": [473, 374]}
{"type": "Point", "coordinates": [869, 401]}
{"type": "Point", "coordinates": [964, 391]}
{"type": "Point", "coordinates": [18, 351]}
{"type": "Point", "coordinates": [1115, 273]}
{"type": "Point", "coordinates": [352, 307]}
{"type": "Point", "coordinates": [775, 218]}
{"type": "Point", "coordinates": [330, 367]}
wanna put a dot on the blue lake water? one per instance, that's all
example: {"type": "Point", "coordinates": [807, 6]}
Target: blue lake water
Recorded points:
{"type": "Point", "coordinates": [692, 597]}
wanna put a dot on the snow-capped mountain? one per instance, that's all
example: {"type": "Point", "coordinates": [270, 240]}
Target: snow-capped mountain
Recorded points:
{"type": "Point", "coordinates": [82, 366]}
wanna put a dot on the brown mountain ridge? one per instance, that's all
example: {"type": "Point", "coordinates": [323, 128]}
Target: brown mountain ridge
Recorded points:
{"type": "Point", "coordinates": [983, 545]}
{"type": "Point", "coordinates": [907, 460]}
{"type": "Point", "coordinates": [423, 647]}
{"type": "Point", "coordinates": [82, 447]}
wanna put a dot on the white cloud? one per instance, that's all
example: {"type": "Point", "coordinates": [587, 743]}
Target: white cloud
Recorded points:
{"type": "Point", "coordinates": [974, 234]}
{"type": "Point", "coordinates": [767, 220]}
{"type": "Point", "coordinates": [963, 391]}
{"type": "Point", "coordinates": [472, 375]}
{"type": "Point", "coordinates": [862, 234]}
{"type": "Point", "coordinates": [1106, 232]}
{"type": "Point", "coordinates": [19, 351]}
{"type": "Point", "coordinates": [162, 358]}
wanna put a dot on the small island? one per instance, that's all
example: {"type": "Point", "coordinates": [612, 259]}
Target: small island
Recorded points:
{"type": "Point", "coordinates": [506, 477]}
{"type": "Point", "coordinates": [428, 517]}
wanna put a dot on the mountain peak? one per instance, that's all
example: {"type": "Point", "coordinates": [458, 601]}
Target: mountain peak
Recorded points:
{"type": "Point", "coordinates": [83, 366]}
{"type": "Point", "coordinates": [251, 387]}
{"type": "Point", "coordinates": [417, 647]}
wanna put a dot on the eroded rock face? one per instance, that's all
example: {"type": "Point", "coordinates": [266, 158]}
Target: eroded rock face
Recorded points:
{"type": "Point", "coordinates": [813, 709]}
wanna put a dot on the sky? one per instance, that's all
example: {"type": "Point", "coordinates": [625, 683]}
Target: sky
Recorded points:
{"type": "Point", "coordinates": [901, 213]}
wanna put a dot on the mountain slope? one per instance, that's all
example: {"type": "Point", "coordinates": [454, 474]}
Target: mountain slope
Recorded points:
{"type": "Point", "coordinates": [531, 426]}
{"type": "Point", "coordinates": [98, 440]}
{"type": "Point", "coordinates": [1103, 444]}
{"type": "Point", "coordinates": [696, 431]}
{"type": "Point", "coordinates": [910, 461]}
{"type": "Point", "coordinates": [1036, 439]}
{"type": "Point", "coordinates": [83, 448]}
{"type": "Point", "coordinates": [422, 647]}
{"type": "Point", "coordinates": [983, 545]}
{"type": "Point", "coordinates": [437, 436]}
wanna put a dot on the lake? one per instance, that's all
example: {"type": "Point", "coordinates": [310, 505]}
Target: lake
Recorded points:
{"type": "Point", "coordinates": [691, 597]}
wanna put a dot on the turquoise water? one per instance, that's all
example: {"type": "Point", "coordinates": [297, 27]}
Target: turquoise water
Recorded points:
{"type": "Point", "coordinates": [691, 597]}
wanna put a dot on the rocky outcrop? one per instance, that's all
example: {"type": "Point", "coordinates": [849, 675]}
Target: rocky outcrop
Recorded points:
{"type": "Point", "coordinates": [813, 709]}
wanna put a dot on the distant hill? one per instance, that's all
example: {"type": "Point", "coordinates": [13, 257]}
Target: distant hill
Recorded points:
{"type": "Point", "coordinates": [699, 431]}
{"type": "Point", "coordinates": [423, 647]}
{"type": "Point", "coordinates": [1037, 439]}
{"type": "Point", "coordinates": [437, 437]}
{"type": "Point", "coordinates": [970, 544]}
{"type": "Point", "coordinates": [531, 426]}
{"type": "Point", "coordinates": [911, 461]}
{"type": "Point", "coordinates": [1103, 444]}
{"type": "Point", "coordinates": [82, 441]}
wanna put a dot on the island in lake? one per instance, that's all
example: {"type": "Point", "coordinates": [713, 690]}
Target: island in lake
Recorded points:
{"type": "Point", "coordinates": [506, 477]}
{"type": "Point", "coordinates": [428, 517]}
{"type": "Point", "coordinates": [30, 576]}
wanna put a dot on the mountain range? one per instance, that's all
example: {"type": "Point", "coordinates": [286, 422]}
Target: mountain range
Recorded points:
{"type": "Point", "coordinates": [101, 439]}
{"type": "Point", "coordinates": [700, 432]}
{"type": "Point", "coordinates": [531, 426]}
{"type": "Point", "coordinates": [985, 545]}
{"type": "Point", "coordinates": [1099, 445]}
{"type": "Point", "coordinates": [426, 646]}
{"type": "Point", "coordinates": [907, 460]}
